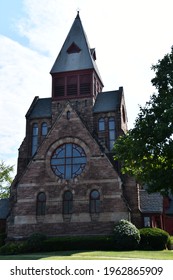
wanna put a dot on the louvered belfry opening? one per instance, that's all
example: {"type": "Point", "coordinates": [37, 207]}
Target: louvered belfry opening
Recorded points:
{"type": "Point", "coordinates": [59, 88]}
{"type": "Point", "coordinates": [85, 84]}
{"type": "Point", "coordinates": [72, 85]}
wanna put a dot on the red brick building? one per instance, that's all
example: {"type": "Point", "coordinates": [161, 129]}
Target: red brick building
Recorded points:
{"type": "Point", "coordinates": [67, 182]}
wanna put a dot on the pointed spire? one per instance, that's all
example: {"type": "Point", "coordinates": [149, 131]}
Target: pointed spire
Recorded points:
{"type": "Point", "coordinates": [75, 53]}
{"type": "Point", "coordinates": [77, 13]}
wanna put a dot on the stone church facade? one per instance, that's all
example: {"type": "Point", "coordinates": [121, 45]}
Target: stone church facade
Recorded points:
{"type": "Point", "coordinates": [67, 182]}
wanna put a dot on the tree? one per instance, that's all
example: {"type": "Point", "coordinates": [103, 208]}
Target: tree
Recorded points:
{"type": "Point", "coordinates": [5, 179]}
{"type": "Point", "coordinates": [146, 151]}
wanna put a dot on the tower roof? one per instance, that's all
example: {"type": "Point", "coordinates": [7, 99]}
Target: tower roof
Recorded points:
{"type": "Point", "coordinates": [76, 53]}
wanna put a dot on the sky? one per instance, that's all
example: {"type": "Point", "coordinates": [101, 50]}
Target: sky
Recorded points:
{"type": "Point", "coordinates": [129, 36]}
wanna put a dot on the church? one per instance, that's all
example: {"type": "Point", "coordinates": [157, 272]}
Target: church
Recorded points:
{"type": "Point", "coordinates": [67, 182]}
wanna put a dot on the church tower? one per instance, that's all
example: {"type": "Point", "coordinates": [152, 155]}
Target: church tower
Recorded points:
{"type": "Point", "coordinates": [75, 76]}
{"type": "Point", "coordinates": [67, 182]}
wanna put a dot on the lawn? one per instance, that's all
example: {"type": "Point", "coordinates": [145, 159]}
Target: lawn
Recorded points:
{"type": "Point", "coordinates": [94, 255]}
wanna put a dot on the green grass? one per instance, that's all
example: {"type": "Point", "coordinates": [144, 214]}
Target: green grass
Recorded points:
{"type": "Point", "coordinates": [94, 255]}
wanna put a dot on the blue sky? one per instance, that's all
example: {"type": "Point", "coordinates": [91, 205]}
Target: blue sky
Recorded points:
{"type": "Point", "coordinates": [10, 13]}
{"type": "Point", "coordinates": [129, 36]}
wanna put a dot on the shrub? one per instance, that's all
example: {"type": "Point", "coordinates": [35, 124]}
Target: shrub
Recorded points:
{"type": "Point", "coordinates": [79, 243]}
{"type": "Point", "coordinates": [2, 239]}
{"type": "Point", "coordinates": [13, 248]}
{"type": "Point", "coordinates": [154, 239]}
{"type": "Point", "coordinates": [38, 242]}
{"type": "Point", "coordinates": [126, 235]}
{"type": "Point", "coordinates": [35, 242]}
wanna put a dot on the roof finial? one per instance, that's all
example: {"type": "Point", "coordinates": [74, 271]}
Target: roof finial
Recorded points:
{"type": "Point", "coordinates": [78, 10]}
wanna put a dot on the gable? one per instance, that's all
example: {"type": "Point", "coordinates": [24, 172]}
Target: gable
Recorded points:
{"type": "Point", "coordinates": [69, 128]}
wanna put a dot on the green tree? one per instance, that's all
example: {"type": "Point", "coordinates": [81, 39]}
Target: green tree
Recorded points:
{"type": "Point", "coordinates": [5, 179]}
{"type": "Point", "coordinates": [146, 151]}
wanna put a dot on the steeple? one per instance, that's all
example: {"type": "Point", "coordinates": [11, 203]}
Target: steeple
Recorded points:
{"type": "Point", "coordinates": [75, 58]}
{"type": "Point", "coordinates": [75, 53]}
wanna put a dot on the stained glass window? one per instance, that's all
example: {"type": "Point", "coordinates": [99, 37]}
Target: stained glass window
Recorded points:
{"type": "Point", "coordinates": [101, 124]}
{"type": "Point", "coordinates": [112, 135]}
{"type": "Point", "coordinates": [44, 129]}
{"type": "Point", "coordinates": [41, 204]}
{"type": "Point", "coordinates": [34, 138]}
{"type": "Point", "coordinates": [94, 201]}
{"type": "Point", "coordinates": [67, 202]}
{"type": "Point", "coordinates": [68, 161]}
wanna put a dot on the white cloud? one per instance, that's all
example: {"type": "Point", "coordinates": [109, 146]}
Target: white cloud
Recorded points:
{"type": "Point", "coordinates": [23, 75]}
{"type": "Point", "coordinates": [46, 24]}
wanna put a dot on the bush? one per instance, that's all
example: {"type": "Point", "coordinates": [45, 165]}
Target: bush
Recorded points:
{"type": "Point", "coordinates": [2, 239]}
{"type": "Point", "coordinates": [79, 243]}
{"type": "Point", "coordinates": [35, 242]}
{"type": "Point", "coordinates": [38, 242]}
{"type": "Point", "coordinates": [13, 248]}
{"type": "Point", "coordinates": [154, 239]}
{"type": "Point", "coordinates": [126, 235]}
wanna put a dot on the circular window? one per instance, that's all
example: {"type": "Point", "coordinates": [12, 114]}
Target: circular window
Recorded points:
{"type": "Point", "coordinates": [68, 161]}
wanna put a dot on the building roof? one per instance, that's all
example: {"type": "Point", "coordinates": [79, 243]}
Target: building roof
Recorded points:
{"type": "Point", "coordinates": [4, 208]}
{"type": "Point", "coordinates": [76, 53]}
{"type": "Point", "coordinates": [40, 108]}
{"type": "Point", "coordinates": [108, 101]}
{"type": "Point", "coordinates": [150, 203]}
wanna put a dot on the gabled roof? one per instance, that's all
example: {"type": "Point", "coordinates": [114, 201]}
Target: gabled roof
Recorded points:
{"type": "Point", "coordinates": [150, 203]}
{"type": "Point", "coordinates": [75, 53]}
{"type": "Point", "coordinates": [108, 101]}
{"type": "Point", "coordinates": [4, 208]}
{"type": "Point", "coordinates": [40, 108]}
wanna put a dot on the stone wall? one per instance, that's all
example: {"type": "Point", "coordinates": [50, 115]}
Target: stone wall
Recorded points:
{"type": "Point", "coordinates": [98, 174]}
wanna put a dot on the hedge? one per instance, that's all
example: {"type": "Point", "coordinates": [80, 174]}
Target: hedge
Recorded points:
{"type": "Point", "coordinates": [2, 239]}
{"type": "Point", "coordinates": [154, 239]}
{"type": "Point", "coordinates": [34, 244]}
{"type": "Point", "coordinates": [79, 243]}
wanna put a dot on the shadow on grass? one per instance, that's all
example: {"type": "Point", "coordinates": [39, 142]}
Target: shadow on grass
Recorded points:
{"type": "Point", "coordinates": [41, 255]}
{"type": "Point", "coordinates": [92, 255]}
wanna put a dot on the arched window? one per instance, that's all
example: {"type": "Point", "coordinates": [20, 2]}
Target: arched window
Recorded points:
{"type": "Point", "coordinates": [44, 129]}
{"type": "Point", "coordinates": [101, 124]}
{"type": "Point", "coordinates": [34, 138]}
{"type": "Point", "coordinates": [68, 161]}
{"type": "Point", "coordinates": [94, 201]}
{"type": "Point", "coordinates": [112, 135]}
{"type": "Point", "coordinates": [67, 202]}
{"type": "Point", "coordinates": [68, 115]}
{"type": "Point", "coordinates": [41, 204]}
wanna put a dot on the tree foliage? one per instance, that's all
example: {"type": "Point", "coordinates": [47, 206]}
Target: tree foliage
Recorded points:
{"type": "Point", "coordinates": [146, 151]}
{"type": "Point", "coordinates": [5, 179]}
